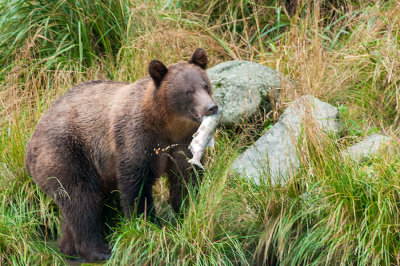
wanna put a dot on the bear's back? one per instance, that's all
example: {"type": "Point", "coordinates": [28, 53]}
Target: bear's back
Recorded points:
{"type": "Point", "coordinates": [87, 113]}
{"type": "Point", "coordinates": [89, 107]}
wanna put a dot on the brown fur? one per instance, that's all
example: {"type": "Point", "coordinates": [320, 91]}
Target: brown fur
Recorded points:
{"type": "Point", "coordinates": [103, 136]}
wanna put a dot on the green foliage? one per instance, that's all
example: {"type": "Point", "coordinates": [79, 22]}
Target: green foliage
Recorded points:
{"type": "Point", "coordinates": [28, 222]}
{"type": "Point", "coordinates": [62, 31]}
{"type": "Point", "coordinates": [248, 23]}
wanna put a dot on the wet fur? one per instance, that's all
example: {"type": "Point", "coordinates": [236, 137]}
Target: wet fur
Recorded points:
{"type": "Point", "coordinates": [101, 136]}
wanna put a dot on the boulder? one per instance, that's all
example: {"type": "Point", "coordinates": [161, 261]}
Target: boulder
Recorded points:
{"type": "Point", "coordinates": [275, 153]}
{"type": "Point", "coordinates": [368, 147]}
{"type": "Point", "coordinates": [240, 87]}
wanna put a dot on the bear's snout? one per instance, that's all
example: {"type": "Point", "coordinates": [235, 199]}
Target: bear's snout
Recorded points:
{"type": "Point", "coordinates": [211, 109]}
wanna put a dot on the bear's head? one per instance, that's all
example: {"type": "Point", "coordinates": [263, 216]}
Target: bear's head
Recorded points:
{"type": "Point", "coordinates": [184, 88]}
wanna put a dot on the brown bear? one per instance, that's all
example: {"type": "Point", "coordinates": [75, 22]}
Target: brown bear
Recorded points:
{"type": "Point", "coordinates": [103, 136]}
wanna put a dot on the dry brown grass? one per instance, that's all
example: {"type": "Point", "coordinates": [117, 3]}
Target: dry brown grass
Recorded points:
{"type": "Point", "coordinates": [362, 72]}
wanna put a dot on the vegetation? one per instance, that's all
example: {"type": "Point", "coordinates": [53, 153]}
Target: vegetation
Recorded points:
{"type": "Point", "coordinates": [334, 211]}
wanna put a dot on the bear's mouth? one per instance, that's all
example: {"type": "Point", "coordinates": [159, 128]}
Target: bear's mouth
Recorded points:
{"type": "Point", "coordinates": [196, 116]}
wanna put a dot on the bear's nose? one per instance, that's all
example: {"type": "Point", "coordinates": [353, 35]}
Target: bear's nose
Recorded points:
{"type": "Point", "coordinates": [211, 109]}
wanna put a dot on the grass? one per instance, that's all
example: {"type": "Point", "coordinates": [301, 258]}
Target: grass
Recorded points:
{"type": "Point", "coordinates": [334, 211]}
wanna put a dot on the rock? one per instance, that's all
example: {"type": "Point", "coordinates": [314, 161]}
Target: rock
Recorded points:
{"type": "Point", "coordinates": [368, 147]}
{"type": "Point", "coordinates": [240, 87]}
{"type": "Point", "coordinates": [275, 152]}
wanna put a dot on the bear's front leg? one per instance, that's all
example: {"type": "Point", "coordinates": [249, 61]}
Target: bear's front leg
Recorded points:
{"type": "Point", "coordinates": [181, 176]}
{"type": "Point", "coordinates": [135, 183]}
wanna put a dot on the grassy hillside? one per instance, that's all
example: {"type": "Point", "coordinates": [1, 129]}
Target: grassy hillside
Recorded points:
{"type": "Point", "coordinates": [334, 211]}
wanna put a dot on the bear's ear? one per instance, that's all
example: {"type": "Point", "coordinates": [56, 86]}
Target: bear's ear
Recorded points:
{"type": "Point", "coordinates": [157, 71]}
{"type": "Point", "coordinates": [199, 58]}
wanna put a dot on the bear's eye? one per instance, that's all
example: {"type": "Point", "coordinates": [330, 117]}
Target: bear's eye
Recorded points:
{"type": "Point", "coordinates": [189, 92]}
{"type": "Point", "coordinates": [207, 87]}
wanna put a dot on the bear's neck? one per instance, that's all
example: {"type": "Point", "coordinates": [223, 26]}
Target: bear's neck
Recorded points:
{"type": "Point", "coordinates": [167, 124]}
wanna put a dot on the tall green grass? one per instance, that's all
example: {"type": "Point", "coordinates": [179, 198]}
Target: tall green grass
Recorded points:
{"type": "Point", "coordinates": [336, 210]}
{"type": "Point", "coordinates": [333, 211]}
{"type": "Point", "coordinates": [63, 31]}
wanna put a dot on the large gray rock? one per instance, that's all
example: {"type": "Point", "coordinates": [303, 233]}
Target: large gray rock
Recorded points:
{"type": "Point", "coordinates": [275, 152]}
{"type": "Point", "coordinates": [240, 86]}
{"type": "Point", "coordinates": [368, 147]}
